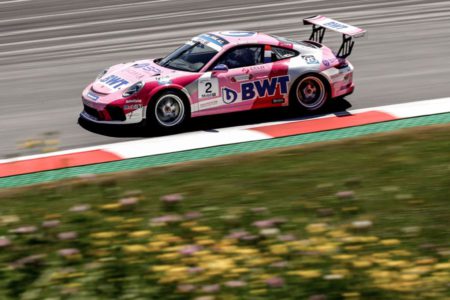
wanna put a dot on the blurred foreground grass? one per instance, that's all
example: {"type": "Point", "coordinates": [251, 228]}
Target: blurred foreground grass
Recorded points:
{"type": "Point", "coordinates": [364, 218]}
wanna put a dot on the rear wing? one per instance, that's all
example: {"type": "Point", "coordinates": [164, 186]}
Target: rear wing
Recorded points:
{"type": "Point", "coordinates": [321, 23]}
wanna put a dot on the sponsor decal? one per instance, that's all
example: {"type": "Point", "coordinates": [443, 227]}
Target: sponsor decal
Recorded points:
{"type": "Point", "coordinates": [229, 95]}
{"type": "Point", "coordinates": [133, 101]}
{"type": "Point", "coordinates": [335, 25]}
{"type": "Point", "coordinates": [310, 59]}
{"type": "Point", "coordinates": [278, 100]}
{"type": "Point", "coordinates": [328, 62]}
{"type": "Point", "coordinates": [132, 107]}
{"type": "Point", "coordinates": [215, 39]}
{"type": "Point", "coordinates": [163, 80]}
{"type": "Point", "coordinates": [207, 104]}
{"type": "Point", "coordinates": [92, 96]}
{"type": "Point", "coordinates": [238, 33]}
{"type": "Point", "coordinates": [257, 89]}
{"type": "Point", "coordinates": [147, 67]}
{"type": "Point", "coordinates": [114, 81]}
{"type": "Point", "coordinates": [264, 88]}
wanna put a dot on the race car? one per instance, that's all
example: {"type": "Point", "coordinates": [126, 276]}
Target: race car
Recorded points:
{"type": "Point", "coordinates": [224, 72]}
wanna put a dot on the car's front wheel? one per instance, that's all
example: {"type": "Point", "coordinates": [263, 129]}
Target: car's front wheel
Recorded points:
{"type": "Point", "coordinates": [168, 111]}
{"type": "Point", "coordinates": [309, 93]}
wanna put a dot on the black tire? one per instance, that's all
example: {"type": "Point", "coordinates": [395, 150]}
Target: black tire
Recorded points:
{"type": "Point", "coordinates": [310, 93]}
{"type": "Point", "coordinates": [168, 111]}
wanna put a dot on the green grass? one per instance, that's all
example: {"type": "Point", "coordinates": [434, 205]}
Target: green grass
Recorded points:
{"type": "Point", "coordinates": [397, 181]}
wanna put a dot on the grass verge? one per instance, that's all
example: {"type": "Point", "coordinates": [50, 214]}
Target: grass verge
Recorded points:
{"type": "Point", "coordinates": [363, 218]}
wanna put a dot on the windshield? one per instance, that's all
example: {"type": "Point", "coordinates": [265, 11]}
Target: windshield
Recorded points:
{"type": "Point", "coordinates": [190, 57]}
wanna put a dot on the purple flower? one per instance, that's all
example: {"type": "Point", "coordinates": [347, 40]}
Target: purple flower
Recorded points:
{"type": "Point", "coordinates": [275, 282]}
{"type": "Point", "coordinates": [50, 223]}
{"type": "Point", "coordinates": [345, 194]}
{"type": "Point", "coordinates": [264, 223]}
{"type": "Point", "coordinates": [185, 288]}
{"type": "Point", "coordinates": [4, 242]}
{"type": "Point", "coordinates": [258, 209]}
{"type": "Point", "coordinates": [211, 288]}
{"type": "Point", "coordinates": [24, 229]}
{"type": "Point", "coordinates": [287, 237]}
{"type": "Point", "coordinates": [269, 222]}
{"type": "Point", "coordinates": [68, 252]}
{"type": "Point", "coordinates": [129, 201]}
{"type": "Point", "coordinates": [80, 208]}
{"type": "Point", "coordinates": [69, 235]}
{"type": "Point", "coordinates": [190, 249]}
{"type": "Point", "coordinates": [172, 198]}
{"type": "Point", "coordinates": [279, 264]}
{"type": "Point", "coordinates": [237, 234]}
{"type": "Point", "coordinates": [167, 219]}
{"type": "Point", "coordinates": [192, 215]}
{"type": "Point", "coordinates": [195, 270]}
{"type": "Point", "coordinates": [235, 283]}
{"type": "Point", "coordinates": [29, 260]}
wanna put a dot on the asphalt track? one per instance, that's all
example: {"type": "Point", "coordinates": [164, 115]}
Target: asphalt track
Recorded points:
{"type": "Point", "coordinates": [50, 49]}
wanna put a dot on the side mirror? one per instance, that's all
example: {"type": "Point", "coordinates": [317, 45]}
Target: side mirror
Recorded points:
{"type": "Point", "coordinates": [220, 68]}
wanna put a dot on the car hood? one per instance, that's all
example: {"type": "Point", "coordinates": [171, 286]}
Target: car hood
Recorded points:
{"type": "Point", "coordinates": [119, 77]}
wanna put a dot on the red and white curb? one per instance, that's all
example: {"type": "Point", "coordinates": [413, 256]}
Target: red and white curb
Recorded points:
{"type": "Point", "coordinates": [225, 136]}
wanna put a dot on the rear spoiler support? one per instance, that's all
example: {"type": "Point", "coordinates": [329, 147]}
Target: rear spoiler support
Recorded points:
{"type": "Point", "coordinates": [317, 34]}
{"type": "Point", "coordinates": [320, 24]}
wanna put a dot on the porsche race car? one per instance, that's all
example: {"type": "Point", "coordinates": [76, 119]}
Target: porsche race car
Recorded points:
{"type": "Point", "coordinates": [223, 72]}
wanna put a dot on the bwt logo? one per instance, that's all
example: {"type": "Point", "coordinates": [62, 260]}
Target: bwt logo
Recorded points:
{"type": "Point", "coordinates": [264, 88]}
{"type": "Point", "coordinates": [114, 81]}
{"type": "Point", "coordinates": [229, 95]}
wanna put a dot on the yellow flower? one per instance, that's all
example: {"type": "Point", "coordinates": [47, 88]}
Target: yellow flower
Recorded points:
{"type": "Point", "coordinates": [279, 249]}
{"type": "Point", "coordinates": [104, 235]}
{"type": "Point", "coordinates": [133, 220]}
{"type": "Point", "coordinates": [306, 273]}
{"type": "Point", "coordinates": [201, 229]}
{"type": "Point", "coordinates": [258, 292]}
{"type": "Point", "coordinates": [343, 272]}
{"type": "Point", "coordinates": [140, 234]}
{"type": "Point", "coordinates": [156, 246]}
{"type": "Point", "coordinates": [205, 242]}
{"type": "Point", "coordinates": [168, 256]}
{"type": "Point", "coordinates": [239, 270]}
{"type": "Point", "coordinates": [361, 263]}
{"type": "Point", "coordinates": [111, 206]}
{"type": "Point", "coordinates": [317, 228]}
{"type": "Point", "coordinates": [442, 266]}
{"type": "Point", "coordinates": [426, 261]}
{"type": "Point", "coordinates": [400, 252]}
{"type": "Point", "coordinates": [344, 256]}
{"type": "Point", "coordinates": [390, 242]}
{"type": "Point", "coordinates": [351, 295]}
{"type": "Point", "coordinates": [409, 277]}
{"type": "Point", "coordinates": [160, 268]}
{"type": "Point", "coordinates": [134, 248]}
{"type": "Point", "coordinates": [327, 248]}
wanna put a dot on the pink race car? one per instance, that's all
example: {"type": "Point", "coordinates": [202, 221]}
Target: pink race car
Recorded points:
{"type": "Point", "coordinates": [222, 72]}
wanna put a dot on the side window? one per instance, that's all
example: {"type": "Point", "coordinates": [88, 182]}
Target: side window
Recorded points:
{"type": "Point", "coordinates": [240, 57]}
{"type": "Point", "coordinates": [279, 53]}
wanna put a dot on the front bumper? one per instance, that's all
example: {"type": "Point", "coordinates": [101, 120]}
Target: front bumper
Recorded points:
{"type": "Point", "coordinates": [103, 110]}
{"type": "Point", "coordinates": [133, 117]}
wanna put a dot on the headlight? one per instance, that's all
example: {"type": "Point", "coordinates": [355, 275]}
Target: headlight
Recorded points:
{"type": "Point", "coordinates": [133, 89]}
{"type": "Point", "coordinates": [101, 74]}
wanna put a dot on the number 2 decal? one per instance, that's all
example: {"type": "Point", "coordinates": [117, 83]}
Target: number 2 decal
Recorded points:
{"type": "Point", "coordinates": [208, 88]}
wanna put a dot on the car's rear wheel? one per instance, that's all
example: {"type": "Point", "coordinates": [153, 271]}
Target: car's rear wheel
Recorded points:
{"type": "Point", "coordinates": [168, 111]}
{"type": "Point", "coordinates": [309, 93]}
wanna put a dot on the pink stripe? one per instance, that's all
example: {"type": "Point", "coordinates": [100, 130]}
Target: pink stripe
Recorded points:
{"type": "Point", "coordinates": [56, 162]}
{"type": "Point", "coordinates": [316, 125]}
